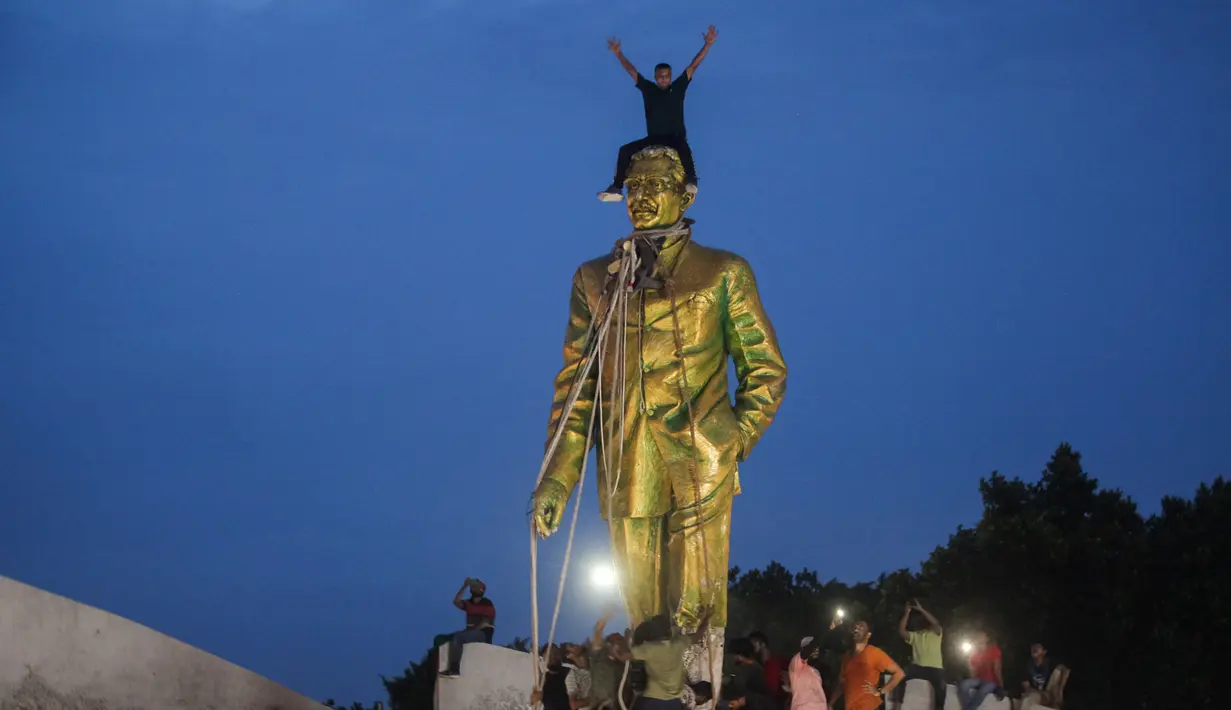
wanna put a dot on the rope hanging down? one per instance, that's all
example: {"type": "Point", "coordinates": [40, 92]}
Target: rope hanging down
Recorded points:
{"type": "Point", "coordinates": [627, 264]}
{"type": "Point", "coordinates": [625, 269]}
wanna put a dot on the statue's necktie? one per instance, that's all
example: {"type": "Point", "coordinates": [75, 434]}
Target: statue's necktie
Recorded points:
{"type": "Point", "coordinates": [647, 255]}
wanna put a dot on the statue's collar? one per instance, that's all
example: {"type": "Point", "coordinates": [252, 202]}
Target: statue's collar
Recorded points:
{"type": "Point", "coordinates": [658, 251]}
{"type": "Point", "coordinates": [663, 235]}
{"type": "Point", "coordinates": [666, 241]}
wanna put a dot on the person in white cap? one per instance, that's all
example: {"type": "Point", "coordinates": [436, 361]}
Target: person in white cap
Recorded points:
{"type": "Point", "coordinates": [807, 692]}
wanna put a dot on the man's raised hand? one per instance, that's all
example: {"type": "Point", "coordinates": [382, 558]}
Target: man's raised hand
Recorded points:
{"type": "Point", "coordinates": [613, 44]}
{"type": "Point", "coordinates": [710, 35]}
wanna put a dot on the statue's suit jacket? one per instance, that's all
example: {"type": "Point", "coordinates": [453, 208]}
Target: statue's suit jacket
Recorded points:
{"type": "Point", "coordinates": [720, 315]}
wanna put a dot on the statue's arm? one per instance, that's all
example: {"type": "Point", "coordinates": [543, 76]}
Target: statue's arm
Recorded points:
{"type": "Point", "coordinates": [564, 467]}
{"type": "Point", "coordinates": [753, 346]}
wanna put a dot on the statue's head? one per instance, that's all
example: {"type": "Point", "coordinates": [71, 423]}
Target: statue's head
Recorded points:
{"type": "Point", "coordinates": [656, 194]}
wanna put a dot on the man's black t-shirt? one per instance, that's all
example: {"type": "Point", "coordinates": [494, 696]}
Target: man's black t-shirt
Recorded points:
{"type": "Point", "coordinates": [664, 108]}
{"type": "Point", "coordinates": [1039, 674]}
{"type": "Point", "coordinates": [555, 688]}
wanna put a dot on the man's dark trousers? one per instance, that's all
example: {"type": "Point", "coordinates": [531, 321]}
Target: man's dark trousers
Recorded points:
{"type": "Point", "coordinates": [679, 143]}
{"type": "Point", "coordinates": [935, 676]}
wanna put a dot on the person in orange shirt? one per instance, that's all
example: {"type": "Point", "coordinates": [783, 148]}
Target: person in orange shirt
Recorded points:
{"type": "Point", "coordinates": [861, 672]}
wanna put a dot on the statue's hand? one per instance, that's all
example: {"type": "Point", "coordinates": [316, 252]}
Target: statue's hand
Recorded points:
{"type": "Point", "coordinates": [549, 501]}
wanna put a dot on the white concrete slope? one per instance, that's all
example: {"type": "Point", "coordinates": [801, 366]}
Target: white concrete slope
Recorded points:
{"type": "Point", "coordinates": [491, 678]}
{"type": "Point", "coordinates": [56, 654]}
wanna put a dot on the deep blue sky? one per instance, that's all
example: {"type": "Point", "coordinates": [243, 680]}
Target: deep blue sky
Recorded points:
{"type": "Point", "coordinates": [282, 285]}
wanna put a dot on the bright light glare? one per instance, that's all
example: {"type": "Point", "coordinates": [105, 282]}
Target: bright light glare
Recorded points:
{"type": "Point", "coordinates": [841, 614]}
{"type": "Point", "coordinates": [603, 576]}
{"type": "Point", "coordinates": [967, 647]}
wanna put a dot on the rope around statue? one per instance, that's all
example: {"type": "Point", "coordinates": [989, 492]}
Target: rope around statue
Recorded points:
{"type": "Point", "coordinates": [686, 437]}
{"type": "Point", "coordinates": [623, 270]}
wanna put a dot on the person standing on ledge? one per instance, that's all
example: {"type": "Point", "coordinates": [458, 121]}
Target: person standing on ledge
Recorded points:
{"type": "Point", "coordinates": [927, 662]}
{"type": "Point", "coordinates": [664, 116]}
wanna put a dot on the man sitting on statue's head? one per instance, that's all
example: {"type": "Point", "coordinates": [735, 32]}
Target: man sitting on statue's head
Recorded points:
{"type": "Point", "coordinates": [663, 100]}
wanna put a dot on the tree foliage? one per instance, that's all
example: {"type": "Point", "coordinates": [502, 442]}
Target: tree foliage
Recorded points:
{"type": "Point", "coordinates": [1139, 608]}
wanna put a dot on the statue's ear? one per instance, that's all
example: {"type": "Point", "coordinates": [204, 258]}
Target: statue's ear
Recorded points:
{"type": "Point", "coordinates": [686, 200]}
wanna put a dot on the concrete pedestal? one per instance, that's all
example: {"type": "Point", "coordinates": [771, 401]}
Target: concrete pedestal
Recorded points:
{"type": "Point", "coordinates": [490, 678]}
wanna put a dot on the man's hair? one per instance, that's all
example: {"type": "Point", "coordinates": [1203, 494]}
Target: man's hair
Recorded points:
{"type": "Point", "coordinates": [759, 636]}
{"type": "Point", "coordinates": [662, 65]}
{"type": "Point", "coordinates": [655, 628]}
{"type": "Point", "coordinates": [661, 151]}
{"type": "Point", "coordinates": [703, 690]}
{"type": "Point", "coordinates": [743, 647]}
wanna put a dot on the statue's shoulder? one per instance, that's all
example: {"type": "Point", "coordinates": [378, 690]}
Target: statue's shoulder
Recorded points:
{"type": "Point", "coordinates": [718, 259]}
{"type": "Point", "coordinates": [597, 264]}
{"type": "Point", "coordinates": [593, 273]}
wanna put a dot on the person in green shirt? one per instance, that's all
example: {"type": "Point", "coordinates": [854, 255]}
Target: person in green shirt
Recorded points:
{"type": "Point", "coordinates": [927, 662]}
{"type": "Point", "coordinates": [660, 647]}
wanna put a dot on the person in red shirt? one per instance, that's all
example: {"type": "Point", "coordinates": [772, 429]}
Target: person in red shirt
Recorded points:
{"type": "Point", "coordinates": [985, 673]}
{"type": "Point", "coordinates": [480, 622]}
{"type": "Point", "coordinates": [861, 672]}
{"type": "Point", "coordinates": [775, 667]}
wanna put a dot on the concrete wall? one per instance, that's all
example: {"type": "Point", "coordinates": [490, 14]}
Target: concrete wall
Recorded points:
{"type": "Point", "coordinates": [56, 654]}
{"type": "Point", "coordinates": [491, 678]}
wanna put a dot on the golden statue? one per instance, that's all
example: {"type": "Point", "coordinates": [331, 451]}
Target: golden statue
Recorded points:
{"type": "Point", "coordinates": [668, 438]}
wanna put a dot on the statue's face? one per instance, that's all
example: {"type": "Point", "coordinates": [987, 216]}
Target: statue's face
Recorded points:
{"type": "Point", "coordinates": [655, 198]}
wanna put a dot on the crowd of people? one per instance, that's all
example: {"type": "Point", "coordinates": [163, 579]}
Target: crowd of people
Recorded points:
{"type": "Point", "coordinates": [647, 668]}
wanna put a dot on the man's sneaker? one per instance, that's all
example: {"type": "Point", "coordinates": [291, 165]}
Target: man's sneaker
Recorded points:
{"type": "Point", "coordinates": [615, 193]}
{"type": "Point", "coordinates": [690, 187]}
{"type": "Point", "coordinates": [451, 673]}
